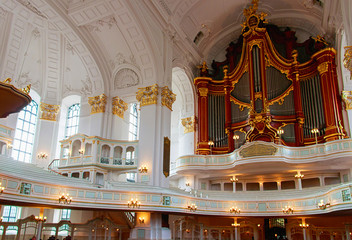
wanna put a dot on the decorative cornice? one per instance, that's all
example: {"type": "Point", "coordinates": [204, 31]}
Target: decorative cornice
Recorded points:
{"type": "Point", "coordinates": [347, 61]}
{"type": "Point", "coordinates": [167, 97]}
{"type": "Point", "coordinates": [148, 95]}
{"type": "Point", "coordinates": [323, 68]}
{"type": "Point", "coordinates": [97, 103]}
{"type": "Point", "coordinates": [188, 124]}
{"type": "Point", "coordinates": [49, 112]}
{"type": "Point", "coordinates": [347, 99]}
{"type": "Point", "coordinates": [118, 106]}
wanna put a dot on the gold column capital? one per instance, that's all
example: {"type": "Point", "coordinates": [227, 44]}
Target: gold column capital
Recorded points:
{"type": "Point", "coordinates": [97, 103]}
{"type": "Point", "coordinates": [323, 68]}
{"type": "Point", "coordinates": [203, 92]}
{"type": "Point", "coordinates": [167, 97]}
{"type": "Point", "coordinates": [347, 99]}
{"type": "Point", "coordinates": [148, 95]}
{"type": "Point", "coordinates": [188, 124]}
{"type": "Point", "coordinates": [118, 106]}
{"type": "Point", "coordinates": [49, 112]}
{"type": "Point", "coordinates": [347, 61]}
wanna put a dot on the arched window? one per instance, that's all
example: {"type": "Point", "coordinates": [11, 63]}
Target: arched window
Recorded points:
{"type": "Point", "coordinates": [72, 120]}
{"type": "Point", "coordinates": [133, 126]}
{"type": "Point", "coordinates": [25, 133]}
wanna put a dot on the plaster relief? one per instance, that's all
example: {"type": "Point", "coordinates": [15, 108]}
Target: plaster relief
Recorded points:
{"type": "Point", "coordinates": [125, 78]}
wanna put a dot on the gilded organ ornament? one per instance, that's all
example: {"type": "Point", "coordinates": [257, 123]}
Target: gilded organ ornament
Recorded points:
{"type": "Point", "coordinates": [347, 61]}
{"type": "Point", "coordinates": [347, 99]}
{"type": "Point", "coordinates": [188, 124]}
{"type": "Point", "coordinates": [49, 112]}
{"type": "Point", "coordinates": [323, 68]}
{"type": "Point", "coordinates": [167, 97]}
{"type": "Point", "coordinates": [118, 106]}
{"type": "Point", "coordinates": [148, 95]}
{"type": "Point", "coordinates": [97, 103]}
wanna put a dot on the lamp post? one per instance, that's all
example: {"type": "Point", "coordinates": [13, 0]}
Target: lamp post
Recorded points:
{"type": "Point", "coordinates": [211, 144]}
{"type": "Point", "coordinates": [280, 132]}
{"type": "Point", "coordinates": [236, 137]}
{"type": "Point", "coordinates": [315, 131]}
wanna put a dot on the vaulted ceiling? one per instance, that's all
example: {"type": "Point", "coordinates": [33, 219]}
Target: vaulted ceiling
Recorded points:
{"type": "Point", "coordinates": [93, 46]}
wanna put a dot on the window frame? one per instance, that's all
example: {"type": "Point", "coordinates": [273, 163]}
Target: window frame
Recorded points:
{"type": "Point", "coordinates": [72, 120]}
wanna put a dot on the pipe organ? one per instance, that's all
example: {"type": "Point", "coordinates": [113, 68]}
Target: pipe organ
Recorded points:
{"type": "Point", "coordinates": [269, 88]}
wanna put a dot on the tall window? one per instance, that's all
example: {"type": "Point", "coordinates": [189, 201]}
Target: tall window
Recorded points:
{"type": "Point", "coordinates": [25, 133]}
{"type": "Point", "coordinates": [65, 214]}
{"type": "Point", "coordinates": [133, 126]}
{"type": "Point", "coordinates": [72, 120]}
{"type": "Point", "coordinates": [11, 214]}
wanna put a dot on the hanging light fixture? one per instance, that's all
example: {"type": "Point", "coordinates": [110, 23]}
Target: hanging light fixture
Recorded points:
{"type": "Point", "coordinates": [65, 199]}
{"type": "Point", "coordinates": [133, 203]}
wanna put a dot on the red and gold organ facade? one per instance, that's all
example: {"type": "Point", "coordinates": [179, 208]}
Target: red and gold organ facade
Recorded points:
{"type": "Point", "coordinates": [269, 88]}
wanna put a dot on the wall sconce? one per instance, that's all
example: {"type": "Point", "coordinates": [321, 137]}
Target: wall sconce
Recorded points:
{"type": "Point", "coordinates": [65, 199]}
{"type": "Point", "coordinates": [81, 152]}
{"type": "Point", "coordinates": [235, 224]}
{"type": "Point", "coordinates": [192, 207]}
{"type": "Point", "coordinates": [287, 210]}
{"type": "Point", "coordinates": [188, 231]}
{"type": "Point", "coordinates": [235, 210]}
{"type": "Point", "coordinates": [211, 145]}
{"type": "Point", "coordinates": [40, 219]}
{"type": "Point", "coordinates": [133, 203]}
{"type": "Point", "coordinates": [143, 169]}
{"type": "Point", "coordinates": [141, 219]}
{"type": "Point", "coordinates": [234, 179]}
{"type": "Point", "coordinates": [1, 189]}
{"type": "Point", "coordinates": [280, 132]}
{"type": "Point", "coordinates": [9, 146]}
{"type": "Point", "coordinates": [323, 205]}
{"type": "Point", "coordinates": [205, 231]}
{"type": "Point", "coordinates": [304, 225]}
{"type": "Point", "coordinates": [299, 175]}
{"type": "Point", "coordinates": [235, 138]}
{"type": "Point", "coordinates": [188, 184]}
{"type": "Point", "coordinates": [42, 155]}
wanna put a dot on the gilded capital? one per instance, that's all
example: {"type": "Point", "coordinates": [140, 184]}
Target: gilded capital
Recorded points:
{"type": "Point", "coordinates": [188, 124]}
{"type": "Point", "coordinates": [347, 61]}
{"type": "Point", "coordinates": [167, 97]}
{"type": "Point", "coordinates": [118, 106]}
{"type": "Point", "coordinates": [323, 68]}
{"type": "Point", "coordinates": [147, 95]}
{"type": "Point", "coordinates": [97, 103]}
{"type": "Point", "coordinates": [347, 99]}
{"type": "Point", "coordinates": [203, 92]}
{"type": "Point", "coordinates": [49, 112]}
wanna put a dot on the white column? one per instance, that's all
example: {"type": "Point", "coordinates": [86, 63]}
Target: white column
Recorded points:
{"type": "Point", "coordinates": [222, 186]}
{"type": "Point", "coordinates": [255, 233]}
{"type": "Point", "coordinates": [261, 186]}
{"type": "Point", "coordinates": [234, 187]}
{"type": "Point", "coordinates": [279, 186]}
{"type": "Point", "coordinates": [305, 234]}
{"type": "Point", "coordinates": [299, 184]}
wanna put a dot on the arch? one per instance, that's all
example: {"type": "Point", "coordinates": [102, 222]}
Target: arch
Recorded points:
{"type": "Point", "coordinates": [76, 146]}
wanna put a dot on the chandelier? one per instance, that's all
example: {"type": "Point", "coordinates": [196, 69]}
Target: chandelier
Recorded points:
{"type": "Point", "coordinates": [65, 199]}
{"type": "Point", "coordinates": [287, 210]}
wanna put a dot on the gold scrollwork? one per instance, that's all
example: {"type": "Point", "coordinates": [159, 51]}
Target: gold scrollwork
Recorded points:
{"type": "Point", "coordinates": [323, 68]}
{"type": "Point", "coordinates": [241, 105]}
{"type": "Point", "coordinates": [118, 106]}
{"type": "Point", "coordinates": [167, 97]}
{"type": "Point", "coordinates": [347, 61]}
{"type": "Point", "coordinates": [97, 103]}
{"type": "Point", "coordinates": [347, 99]}
{"type": "Point", "coordinates": [27, 89]}
{"type": "Point", "coordinates": [48, 111]}
{"type": "Point", "coordinates": [148, 95]}
{"type": "Point", "coordinates": [188, 124]}
{"type": "Point", "coordinates": [280, 99]}
{"type": "Point", "coordinates": [7, 80]}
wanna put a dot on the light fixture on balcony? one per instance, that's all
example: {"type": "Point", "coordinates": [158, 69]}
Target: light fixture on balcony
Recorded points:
{"type": "Point", "coordinates": [141, 219]}
{"type": "Point", "coordinates": [299, 175]}
{"type": "Point", "coordinates": [323, 205]}
{"type": "Point", "coordinates": [1, 189]}
{"type": "Point", "coordinates": [235, 138]}
{"type": "Point", "coordinates": [235, 224]}
{"type": "Point", "coordinates": [65, 198]}
{"type": "Point", "coordinates": [234, 179]}
{"type": "Point", "coordinates": [287, 210]}
{"type": "Point", "coordinates": [235, 210]}
{"type": "Point", "coordinates": [81, 152]}
{"type": "Point", "coordinates": [40, 219]}
{"type": "Point", "coordinates": [280, 132]}
{"type": "Point", "coordinates": [211, 145]}
{"type": "Point", "coordinates": [1, 218]}
{"type": "Point", "coordinates": [304, 225]}
{"type": "Point", "coordinates": [192, 207]}
{"type": "Point", "coordinates": [9, 146]}
{"type": "Point", "coordinates": [143, 169]}
{"type": "Point", "coordinates": [315, 131]}
{"type": "Point", "coordinates": [42, 155]}
{"type": "Point", "coordinates": [133, 203]}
